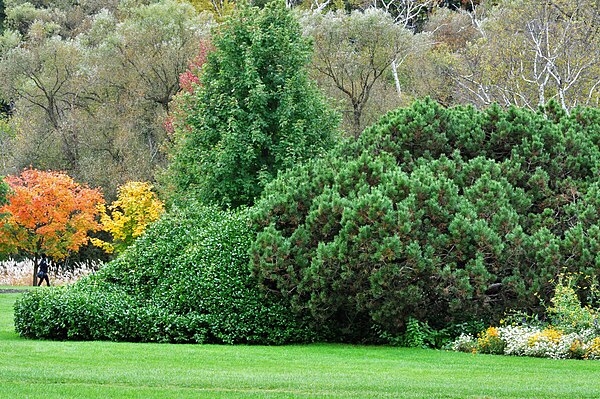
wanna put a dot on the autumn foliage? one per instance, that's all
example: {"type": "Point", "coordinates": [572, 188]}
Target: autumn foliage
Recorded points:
{"type": "Point", "coordinates": [47, 213]}
{"type": "Point", "coordinates": [189, 80]}
{"type": "Point", "coordinates": [191, 77]}
{"type": "Point", "coordinates": [128, 217]}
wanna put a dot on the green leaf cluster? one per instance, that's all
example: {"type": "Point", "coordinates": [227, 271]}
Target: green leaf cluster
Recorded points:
{"type": "Point", "coordinates": [566, 312]}
{"type": "Point", "coordinates": [186, 280]}
{"type": "Point", "coordinates": [255, 113]}
{"type": "Point", "coordinates": [4, 190]}
{"type": "Point", "coordinates": [442, 215]}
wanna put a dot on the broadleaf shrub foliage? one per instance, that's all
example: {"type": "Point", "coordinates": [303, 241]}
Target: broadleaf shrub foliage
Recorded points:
{"type": "Point", "coordinates": [186, 280]}
{"type": "Point", "coordinates": [442, 215]}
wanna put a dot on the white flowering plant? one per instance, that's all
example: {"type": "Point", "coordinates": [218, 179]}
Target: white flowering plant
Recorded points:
{"type": "Point", "coordinates": [464, 343]}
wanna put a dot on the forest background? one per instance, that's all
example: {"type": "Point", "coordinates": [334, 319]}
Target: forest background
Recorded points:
{"type": "Point", "coordinates": [88, 87]}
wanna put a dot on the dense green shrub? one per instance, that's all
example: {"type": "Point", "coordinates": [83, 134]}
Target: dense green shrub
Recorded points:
{"type": "Point", "coordinates": [443, 215]}
{"type": "Point", "coordinates": [186, 280]}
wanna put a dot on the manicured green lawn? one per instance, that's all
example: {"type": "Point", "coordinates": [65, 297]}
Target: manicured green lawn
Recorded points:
{"type": "Point", "coordinates": [46, 369]}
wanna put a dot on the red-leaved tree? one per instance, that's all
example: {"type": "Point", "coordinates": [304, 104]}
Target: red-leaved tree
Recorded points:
{"type": "Point", "coordinates": [47, 213]}
{"type": "Point", "coordinates": [188, 81]}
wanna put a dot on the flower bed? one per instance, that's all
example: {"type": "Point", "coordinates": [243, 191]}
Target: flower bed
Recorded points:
{"type": "Point", "coordinates": [572, 332]}
{"type": "Point", "coordinates": [547, 342]}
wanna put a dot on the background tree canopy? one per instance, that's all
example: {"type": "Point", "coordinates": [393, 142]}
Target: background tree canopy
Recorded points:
{"type": "Point", "coordinates": [91, 85]}
{"type": "Point", "coordinates": [92, 81]}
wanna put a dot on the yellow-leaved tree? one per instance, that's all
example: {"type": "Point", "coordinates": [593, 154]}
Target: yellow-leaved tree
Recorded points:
{"type": "Point", "coordinates": [218, 8]}
{"type": "Point", "coordinates": [135, 208]}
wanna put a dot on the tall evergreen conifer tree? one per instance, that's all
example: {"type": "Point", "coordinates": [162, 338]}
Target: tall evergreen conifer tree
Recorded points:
{"type": "Point", "coordinates": [255, 112]}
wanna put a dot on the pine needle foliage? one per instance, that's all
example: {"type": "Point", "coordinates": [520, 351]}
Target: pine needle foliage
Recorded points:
{"type": "Point", "coordinates": [442, 215]}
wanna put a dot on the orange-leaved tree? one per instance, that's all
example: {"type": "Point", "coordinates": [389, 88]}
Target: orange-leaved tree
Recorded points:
{"type": "Point", "coordinates": [47, 213]}
{"type": "Point", "coordinates": [129, 215]}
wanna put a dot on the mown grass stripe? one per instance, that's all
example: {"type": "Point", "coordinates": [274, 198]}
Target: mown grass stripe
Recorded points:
{"type": "Point", "coordinates": [51, 369]}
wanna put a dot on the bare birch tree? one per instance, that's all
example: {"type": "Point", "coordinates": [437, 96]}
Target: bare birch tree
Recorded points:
{"type": "Point", "coordinates": [406, 13]}
{"type": "Point", "coordinates": [534, 51]}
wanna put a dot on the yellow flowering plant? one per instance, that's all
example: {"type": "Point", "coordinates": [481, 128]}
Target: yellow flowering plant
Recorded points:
{"type": "Point", "coordinates": [489, 341]}
{"type": "Point", "coordinates": [550, 335]}
{"type": "Point", "coordinates": [593, 349]}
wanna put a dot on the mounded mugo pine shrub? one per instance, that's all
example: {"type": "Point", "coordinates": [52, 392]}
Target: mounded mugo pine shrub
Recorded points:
{"type": "Point", "coordinates": [443, 215]}
{"type": "Point", "coordinates": [186, 280]}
